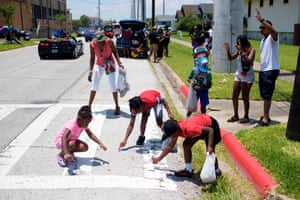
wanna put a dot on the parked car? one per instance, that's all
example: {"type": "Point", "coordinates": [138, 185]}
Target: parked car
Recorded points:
{"type": "Point", "coordinates": [20, 34]}
{"type": "Point", "coordinates": [138, 44]}
{"type": "Point", "coordinates": [81, 31]}
{"type": "Point", "coordinates": [89, 35]}
{"type": "Point", "coordinates": [60, 47]}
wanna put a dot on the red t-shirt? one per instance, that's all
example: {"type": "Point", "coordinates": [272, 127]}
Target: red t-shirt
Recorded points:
{"type": "Point", "coordinates": [127, 34]}
{"type": "Point", "coordinates": [150, 98]}
{"type": "Point", "coordinates": [192, 127]}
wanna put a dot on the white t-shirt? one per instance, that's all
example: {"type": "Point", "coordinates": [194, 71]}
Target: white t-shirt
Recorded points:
{"type": "Point", "coordinates": [269, 54]}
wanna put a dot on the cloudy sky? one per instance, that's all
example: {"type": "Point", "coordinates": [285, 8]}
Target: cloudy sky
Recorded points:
{"type": "Point", "coordinates": [121, 9]}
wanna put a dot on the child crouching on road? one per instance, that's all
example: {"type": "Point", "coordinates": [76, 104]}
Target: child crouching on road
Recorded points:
{"type": "Point", "coordinates": [67, 139]}
{"type": "Point", "coordinates": [143, 103]}
{"type": "Point", "coordinates": [201, 126]}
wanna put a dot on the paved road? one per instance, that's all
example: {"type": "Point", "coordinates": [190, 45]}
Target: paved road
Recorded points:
{"type": "Point", "coordinates": [40, 96]}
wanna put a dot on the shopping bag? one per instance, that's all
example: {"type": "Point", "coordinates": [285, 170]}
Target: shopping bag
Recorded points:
{"type": "Point", "coordinates": [192, 100]}
{"type": "Point", "coordinates": [122, 83]}
{"type": "Point", "coordinates": [208, 173]}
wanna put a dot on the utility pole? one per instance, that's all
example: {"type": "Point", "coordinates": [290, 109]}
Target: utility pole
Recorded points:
{"type": "Point", "coordinates": [164, 6]}
{"type": "Point", "coordinates": [228, 24]}
{"type": "Point", "coordinates": [144, 10]}
{"type": "Point", "coordinates": [133, 9]}
{"type": "Point", "coordinates": [21, 14]}
{"type": "Point", "coordinates": [153, 13]}
{"type": "Point", "coordinates": [47, 15]}
{"type": "Point", "coordinates": [99, 20]}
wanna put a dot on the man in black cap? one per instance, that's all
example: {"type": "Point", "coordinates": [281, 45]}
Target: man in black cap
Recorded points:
{"type": "Point", "coordinates": [201, 126]}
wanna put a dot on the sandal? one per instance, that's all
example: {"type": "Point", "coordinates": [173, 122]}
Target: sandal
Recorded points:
{"type": "Point", "coordinates": [117, 111]}
{"type": "Point", "coordinates": [244, 120]}
{"type": "Point", "coordinates": [233, 119]}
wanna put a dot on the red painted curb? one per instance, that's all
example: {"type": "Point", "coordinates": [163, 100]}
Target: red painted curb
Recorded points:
{"type": "Point", "coordinates": [249, 167]}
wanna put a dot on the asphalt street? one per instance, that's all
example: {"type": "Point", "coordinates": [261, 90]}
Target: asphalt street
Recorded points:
{"type": "Point", "coordinates": [39, 96]}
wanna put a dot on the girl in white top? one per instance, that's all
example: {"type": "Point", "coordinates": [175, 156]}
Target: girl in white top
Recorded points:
{"type": "Point", "coordinates": [244, 76]}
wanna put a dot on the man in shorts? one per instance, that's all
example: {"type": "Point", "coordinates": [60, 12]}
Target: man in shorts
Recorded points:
{"type": "Point", "coordinates": [269, 64]}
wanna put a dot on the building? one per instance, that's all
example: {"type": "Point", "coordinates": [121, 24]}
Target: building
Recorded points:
{"type": "Point", "coordinates": [36, 15]}
{"type": "Point", "coordinates": [284, 15]}
{"type": "Point", "coordinates": [203, 11]}
{"type": "Point", "coordinates": [165, 20]}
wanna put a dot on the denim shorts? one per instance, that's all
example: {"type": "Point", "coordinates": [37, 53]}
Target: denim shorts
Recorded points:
{"type": "Point", "coordinates": [267, 80]}
{"type": "Point", "coordinates": [125, 42]}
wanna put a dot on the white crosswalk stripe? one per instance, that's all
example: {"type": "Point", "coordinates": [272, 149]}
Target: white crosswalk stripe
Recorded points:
{"type": "Point", "coordinates": [153, 178]}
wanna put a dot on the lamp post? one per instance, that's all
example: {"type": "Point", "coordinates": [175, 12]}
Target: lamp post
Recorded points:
{"type": "Point", "coordinates": [99, 21]}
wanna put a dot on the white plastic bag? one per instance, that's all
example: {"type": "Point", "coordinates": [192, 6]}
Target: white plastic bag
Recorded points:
{"type": "Point", "coordinates": [122, 84]}
{"type": "Point", "coordinates": [191, 103]}
{"type": "Point", "coordinates": [208, 172]}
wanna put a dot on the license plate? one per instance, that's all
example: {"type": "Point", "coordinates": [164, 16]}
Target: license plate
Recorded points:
{"type": "Point", "coordinates": [54, 51]}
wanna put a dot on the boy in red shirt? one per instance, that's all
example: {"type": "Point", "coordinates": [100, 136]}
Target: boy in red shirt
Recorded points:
{"type": "Point", "coordinates": [143, 104]}
{"type": "Point", "coordinates": [201, 126]}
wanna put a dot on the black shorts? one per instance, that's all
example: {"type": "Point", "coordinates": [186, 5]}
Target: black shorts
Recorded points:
{"type": "Point", "coordinates": [217, 133]}
{"type": "Point", "coordinates": [267, 80]}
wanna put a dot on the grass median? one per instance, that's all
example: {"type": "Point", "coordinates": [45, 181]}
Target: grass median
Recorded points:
{"type": "Point", "coordinates": [278, 155]}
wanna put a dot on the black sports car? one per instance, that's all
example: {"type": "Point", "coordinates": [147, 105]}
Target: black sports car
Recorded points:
{"type": "Point", "coordinates": [60, 47]}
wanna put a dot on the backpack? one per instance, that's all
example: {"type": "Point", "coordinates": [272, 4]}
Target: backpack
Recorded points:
{"type": "Point", "coordinates": [202, 79]}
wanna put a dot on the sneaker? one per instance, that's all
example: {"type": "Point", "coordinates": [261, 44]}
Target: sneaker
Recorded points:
{"type": "Point", "coordinates": [218, 172]}
{"type": "Point", "coordinates": [184, 173]}
{"type": "Point", "coordinates": [140, 140]}
{"type": "Point", "coordinates": [61, 161]}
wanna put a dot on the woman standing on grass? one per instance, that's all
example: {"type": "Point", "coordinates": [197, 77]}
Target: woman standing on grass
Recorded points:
{"type": "Point", "coordinates": [244, 76]}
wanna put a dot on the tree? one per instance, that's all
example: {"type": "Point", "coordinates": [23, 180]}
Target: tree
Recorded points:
{"type": "Point", "coordinates": [186, 23]}
{"type": "Point", "coordinates": [60, 17]}
{"type": "Point", "coordinates": [85, 20]}
{"type": "Point", "coordinates": [7, 11]}
{"type": "Point", "coordinates": [293, 126]}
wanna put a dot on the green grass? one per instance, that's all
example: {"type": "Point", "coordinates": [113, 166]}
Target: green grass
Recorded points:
{"type": "Point", "coordinates": [278, 155]}
{"type": "Point", "coordinates": [13, 45]}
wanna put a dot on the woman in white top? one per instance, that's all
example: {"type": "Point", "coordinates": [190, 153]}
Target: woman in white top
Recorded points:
{"type": "Point", "coordinates": [244, 76]}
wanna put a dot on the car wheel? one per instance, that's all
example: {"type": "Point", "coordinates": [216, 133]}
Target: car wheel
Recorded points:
{"type": "Point", "coordinates": [75, 53]}
{"type": "Point", "coordinates": [42, 57]}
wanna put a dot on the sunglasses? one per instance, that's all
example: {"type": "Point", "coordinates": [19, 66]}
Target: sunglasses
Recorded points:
{"type": "Point", "coordinates": [262, 27]}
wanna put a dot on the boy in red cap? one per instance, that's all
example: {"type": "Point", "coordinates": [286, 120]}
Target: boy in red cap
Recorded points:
{"type": "Point", "coordinates": [201, 126]}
